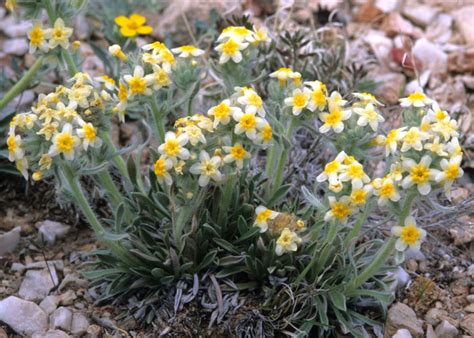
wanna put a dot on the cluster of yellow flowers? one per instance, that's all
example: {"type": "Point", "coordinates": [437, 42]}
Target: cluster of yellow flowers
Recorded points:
{"type": "Point", "coordinates": [204, 144]}
{"type": "Point", "coordinates": [59, 124]}
{"type": "Point", "coordinates": [158, 64]}
{"type": "Point", "coordinates": [283, 225]}
{"type": "Point", "coordinates": [234, 40]}
{"type": "Point", "coordinates": [424, 153]}
{"type": "Point", "coordinates": [49, 38]}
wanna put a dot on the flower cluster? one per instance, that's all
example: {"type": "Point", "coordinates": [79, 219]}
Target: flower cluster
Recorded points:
{"type": "Point", "coordinates": [49, 38]}
{"type": "Point", "coordinates": [59, 126]}
{"type": "Point", "coordinates": [235, 40]}
{"type": "Point", "coordinates": [210, 147]}
{"type": "Point", "coordinates": [424, 153]}
{"type": "Point", "coordinates": [283, 225]}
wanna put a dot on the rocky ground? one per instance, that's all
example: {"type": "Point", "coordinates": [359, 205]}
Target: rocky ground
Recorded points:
{"type": "Point", "coordinates": [407, 44]}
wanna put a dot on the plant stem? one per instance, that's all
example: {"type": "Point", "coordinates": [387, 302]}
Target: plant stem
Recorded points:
{"type": "Point", "coordinates": [117, 159]}
{"type": "Point", "coordinates": [158, 120]}
{"type": "Point", "coordinates": [50, 10]}
{"type": "Point", "coordinates": [386, 250]}
{"type": "Point", "coordinates": [226, 199]}
{"type": "Point", "coordinates": [109, 185]}
{"type": "Point", "coordinates": [283, 156]}
{"type": "Point", "coordinates": [358, 225]}
{"type": "Point", "coordinates": [71, 65]}
{"type": "Point", "coordinates": [23, 83]}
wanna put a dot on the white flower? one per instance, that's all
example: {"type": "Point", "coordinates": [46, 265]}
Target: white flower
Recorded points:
{"type": "Point", "coordinates": [248, 123]}
{"type": "Point", "coordinates": [237, 33]}
{"type": "Point", "coordinates": [252, 101]}
{"type": "Point", "coordinates": [287, 242]}
{"type": "Point", "coordinates": [231, 50]}
{"type": "Point", "coordinates": [354, 172]}
{"type": "Point", "coordinates": [367, 98]}
{"type": "Point", "coordinates": [262, 216]}
{"type": "Point", "coordinates": [88, 134]}
{"type": "Point", "coordinates": [195, 134]}
{"type": "Point", "coordinates": [419, 174]}
{"type": "Point", "coordinates": [416, 99]}
{"type": "Point", "coordinates": [412, 139]}
{"type": "Point", "coordinates": [409, 235]}
{"type": "Point", "coordinates": [207, 168]}
{"type": "Point", "coordinates": [161, 168]}
{"type": "Point", "coordinates": [237, 154]}
{"type": "Point", "coordinates": [391, 141]}
{"type": "Point", "coordinates": [64, 142]}
{"type": "Point", "coordinates": [334, 119]}
{"type": "Point", "coordinates": [333, 169]}
{"type": "Point", "coordinates": [14, 147]}
{"type": "Point", "coordinates": [139, 83]}
{"type": "Point", "coordinates": [187, 51]}
{"type": "Point", "coordinates": [451, 170]}
{"type": "Point", "coordinates": [369, 116]}
{"type": "Point", "coordinates": [59, 34]}
{"type": "Point", "coordinates": [386, 190]}
{"type": "Point", "coordinates": [174, 146]}
{"type": "Point", "coordinates": [223, 112]}
{"type": "Point", "coordinates": [299, 100]}
{"type": "Point", "coordinates": [339, 209]}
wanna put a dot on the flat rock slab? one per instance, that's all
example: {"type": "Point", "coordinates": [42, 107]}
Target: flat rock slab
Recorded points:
{"type": "Point", "coordinates": [23, 317]}
{"type": "Point", "coordinates": [36, 285]}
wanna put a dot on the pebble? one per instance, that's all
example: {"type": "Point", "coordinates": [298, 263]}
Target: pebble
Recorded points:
{"type": "Point", "coordinates": [36, 285]}
{"type": "Point", "coordinates": [93, 330]}
{"type": "Point", "coordinates": [14, 29]}
{"type": "Point", "coordinates": [420, 15]}
{"type": "Point", "coordinates": [50, 230]}
{"type": "Point", "coordinates": [380, 45]}
{"type": "Point", "coordinates": [49, 304]}
{"type": "Point", "coordinates": [433, 316]}
{"type": "Point", "coordinates": [392, 84]}
{"type": "Point", "coordinates": [469, 308]}
{"type": "Point", "coordinates": [402, 333]}
{"type": "Point", "coordinates": [9, 240]}
{"type": "Point", "coordinates": [470, 298]}
{"type": "Point", "coordinates": [463, 18]}
{"type": "Point", "coordinates": [468, 324]}
{"type": "Point", "coordinates": [61, 318]}
{"type": "Point", "coordinates": [79, 325]}
{"type": "Point", "coordinates": [401, 316]}
{"type": "Point", "coordinates": [57, 264]}
{"type": "Point", "coordinates": [411, 265]}
{"type": "Point", "coordinates": [430, 333]}
{"type": "Point", "coordinates": [440, 31]}
{"type": "Point", "coordinates": [14, 311]}
{"type": "Point", "coordinates": [395, 24]}
{"type": "Point", "coordinates": [431, 55]}
{"type": "Point", "coordinates": [446, 330]}
{"type": "Point", "coordinates": [16, 46]}
{"type": "Point", "coordinates": [51, 334]}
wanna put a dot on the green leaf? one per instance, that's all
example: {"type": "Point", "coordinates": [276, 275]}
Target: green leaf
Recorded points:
{"type": "Point", "coordinates": [253, 232]}
{"type": "Point", "coordinates": [311, 199]}
{"type": "Point", "coordinates": [278, 195]}
{"type": "Point", "coordinates": [384, 297]}
{"type": "Point", "coordinates": [338, 299]}
{"type": "Point", "coordinates": [207, 260]}
{"type": "Point", "coordinates": [226, 245]}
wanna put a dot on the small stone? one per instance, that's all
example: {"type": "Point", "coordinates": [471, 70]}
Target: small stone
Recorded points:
{"type": "Point", "coordinates": [57, 264]}
{"type": "Point", "coordinates": [469, 308]}
{"type": "Point", "coordinates": [387, 6]}
{"type": "Point", "coordinates": [463, 18]}
{"type": "Point", "coordinates": [411, 265]}
{"type": "Point", "coordinates": [366, 13]}
{"type": "Point", "coordinates": [420, 15]}
{"type": "Point", "coordinates": [9, 241]}
{"type": "Point", "coordinates": [3, 333]}
{"type": "Point", "coordinates": [17, 46]}
{"type": "Point", "coordinates": [49, 304]}
{"type": "Point", "coordinates": [82, 28]}
{"type": "Point", "coordinates": [401, 316]}
{"type": "Point", "coordinates": [67, 298]}
{"type": "Point", "coordinates": [468, 324]}
{"type": "Point", "coordinates": [51, 334]}
{"type": "Point", "coordinates": [470, 299]}
{"type": "Point", "coordinates": [433, 316]}
{"type": "Point", "coordinates": [461, 61]}
{"type": "Point", "coordinates": [50, 230]}
{"type": "Point", "coordinates": [380, 45]}
{"type": "Point", "coordinates": [462, 234]}
{"type": "Point", "coordinates": [430, 333]}
{"type": "Point", "coordinates": [16, 29]}
{"type": "Point", "coordinates": [395, 24]}
{"type": "Point", "coordinates": [470, 270]}
{"type": "Point", "coordinates": [392, 85]}
{"type": "Point", "coordinates": [402, 333]}
{"type": "Point", "coordinates": [93, 330]}
{"type": "Point", "coordinates": [446, 330]}
{"type": "Point", "coordinates": [61, 318]}
{"type": "Point", "coordinates": [24, 317]}
{"type": "Point", "coordinates": [440, 30]}
{"type": "Point", "coordinates": [431, 55]}
{"type": "Point", "coordinates": [36, 285]}
{"type": "Point", "coordinates": [79, 325]}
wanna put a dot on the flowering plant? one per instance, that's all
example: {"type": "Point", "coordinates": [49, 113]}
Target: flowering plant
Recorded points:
{"type": "Point", "coordinates": [209, 208]}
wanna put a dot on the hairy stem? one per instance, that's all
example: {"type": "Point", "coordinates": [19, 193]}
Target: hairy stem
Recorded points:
{"type": "Point", "coordinates": [117, 159]}
{"type": "Point", "coordinates": [71, 65]}
{"type": "Point", "coordinates": [109, 185]}
{"type": "Point", "coordinates": [158, 120]}
{"type": "Point", "coordinates": [283, 157]}
{"type": "Point", "coordinates": [23, 83]}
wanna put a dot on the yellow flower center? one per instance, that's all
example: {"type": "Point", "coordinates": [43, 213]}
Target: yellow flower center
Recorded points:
{"type": "Point", "coordinates": [248, 121]}
{"type": "Point", "coordinates": [410, 234]}
{"type": "Point", "coordinates": [299, 100]}
{"type": "Point", "coordinates": [340, 210]}
{"type": "Point", "coordinates": [358, 197]}
{"type": "Point", "coordinates": [355, 171]}
{"type": "Point", "coordinates": [230, 47]}
{"type": "Point", "coordinates": [255, 100]}
{"type": "Point", "coordinates": [318, 97]}
{"type": "Point", "coordinates": [263, 216]}
{"type": "Point", "coordinates": [160, 167]}
{"type": "Point", "coordinates": [387, 190]}
{"type": "Point", "coordinates": [412, 136]}
{"type": "Point", "coordinates": [89, 132]}
{"type": "Point", "coordinates": [416, 96]}
{"type": "Point", "coordinates": [440, 115]}
{"type": "Point", "coordinates": [222, 111]}
{"type": "Point", "coordinates": [238, 152]}
{"type": "Point", "coordinates": [419, 173]}
{"type": "Point", "coordinates": [334, 118]}
{"type": "Point", "coordinates": [188, 49]}
{"type": "Point", "coordinates": [122, 94]}
{"type": "Point", "coordinates": [285, 239]}
{"type": "Point", "coordinates": [58, 33]}
{"type": "Point", "coordinates": [11, 143]}
{"type": "Point", "coordinates": [391, 136]}
{"type": "Point", "coordinates": [267, 132]}
{"type": "Point", "coordinates": [137, 85]}
{"type": "Point", "coordinates": [65, 142]}
{"type": "Point", "coordinates": [209, 168]}
{"type": "Point", "coordinates": [332, 167]}
{"type": "Point", "coordinates": [108, 79]}
{"type": "Point", "coordinates": [452, 172]}
{"type": "Point", "coordinates": [172, 148]}
{"type": "Point", "coordinates": [36, 36]}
